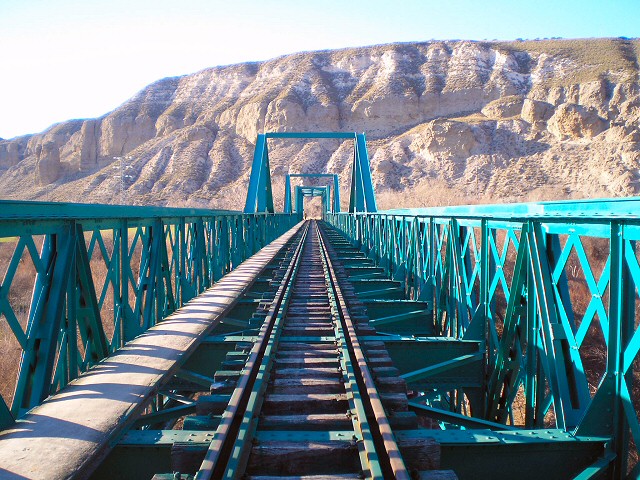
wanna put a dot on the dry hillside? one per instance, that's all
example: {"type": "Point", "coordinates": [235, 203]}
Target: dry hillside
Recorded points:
{"type": "Point", "coordinates": [516, 120]}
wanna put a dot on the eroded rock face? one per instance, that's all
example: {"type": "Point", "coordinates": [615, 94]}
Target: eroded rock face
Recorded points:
{"type": "Point", "coordinates": [536, 112]}
{"type": "Point", "coordinates": [249, 121]}
{"type": "Point", "coordinates": [11, 152]}
{"type": "Point", "coordinates": [505, 107]}
{"type": "Point", "coordinates": [122, 133]}
{"type": "Point", "coordinates": [453, 139]}
{"type": "Point", "coordinates": [48, 163]}
{"type": "Point", "coordinates": [594, 95]}
{"type": "Point", "coordinates": [134, 123]}
{"type": "Point", "coordinates": [89, 148]}
{"type": "Point", "coordinates": [575, 121]}
{"type": "Point", "coordinates": [502, 117]}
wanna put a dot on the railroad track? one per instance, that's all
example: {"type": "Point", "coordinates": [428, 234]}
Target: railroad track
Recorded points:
{"type": "Point", "coordinates": [310, 399]}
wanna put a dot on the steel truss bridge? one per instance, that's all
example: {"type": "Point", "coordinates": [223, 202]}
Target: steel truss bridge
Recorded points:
{"type": "Point", "coordinates": [470, 342]}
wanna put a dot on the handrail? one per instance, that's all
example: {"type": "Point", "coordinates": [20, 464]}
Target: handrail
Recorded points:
{"type": "Point", "coordinates": [542, 286]}
{"type": "Point", "coordinates": [103, 274]}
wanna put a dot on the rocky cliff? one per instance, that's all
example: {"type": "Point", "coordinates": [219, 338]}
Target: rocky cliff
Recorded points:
{"type": "Point", "coordinates": [551, 118]}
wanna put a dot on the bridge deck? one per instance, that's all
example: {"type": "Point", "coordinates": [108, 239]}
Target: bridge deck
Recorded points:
{"type": "Point", "coordinates": [59, 438]}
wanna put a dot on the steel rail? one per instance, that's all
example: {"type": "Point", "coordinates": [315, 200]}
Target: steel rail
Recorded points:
{"type": "Point", "coordinates": [369, 458]}
{"type": "Point", "coordinates": [227, 438]}
{"type": "Point", "coordinates": [387, 451]}
{"type": "Point", "coordinates": [229, 450]}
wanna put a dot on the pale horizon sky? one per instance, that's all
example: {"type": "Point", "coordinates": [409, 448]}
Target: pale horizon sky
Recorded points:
{"type": "Point", "coordinates": [64, 59]}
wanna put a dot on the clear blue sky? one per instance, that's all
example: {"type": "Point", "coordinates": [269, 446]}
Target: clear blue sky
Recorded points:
{"type": "Point", "coordinates": [62, 59]}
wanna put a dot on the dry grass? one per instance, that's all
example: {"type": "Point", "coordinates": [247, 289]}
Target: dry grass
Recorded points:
{"type": "Point", "coordinates": [429, 193]}
{"type": "Point", "coordinates": [438, 193]}
{"type": "Point", "coordinates": [593, 58]}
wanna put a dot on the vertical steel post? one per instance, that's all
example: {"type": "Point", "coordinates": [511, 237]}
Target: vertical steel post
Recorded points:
{"type": "Point", "coordinates": [265, 194]}
{"type": "Point", "coordinates": [619, 327]}
{"type": "Point", "coordinates": [365, 172]}
{"type": "Point", "coordinates": [251, 203]}
{"type": "Point", "coordinates": [128, 318]}
{"type": "Point", "coordinates": [356, 199]}
{"type": "Point", "coordinates": [287, 194]}
{"type": "Point", "coordinates": [45, 321]}
{"type": "Point", "coordinates": [336, 194]}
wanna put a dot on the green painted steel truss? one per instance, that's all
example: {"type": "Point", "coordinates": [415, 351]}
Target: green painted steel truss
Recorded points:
{"type": "Point", "coordinates": [101, 275]}
{"type": "Point", "coordinates": [260, 194]}
{"type": "Point", "coordinates": [550, 292]}
{"type": "Point", "coordinates": [512, 322]}
{"type": "Point", "coordinates": [302, 192]}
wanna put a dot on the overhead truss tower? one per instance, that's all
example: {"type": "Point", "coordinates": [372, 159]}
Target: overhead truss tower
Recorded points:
{"type": "Point", "coordinates": [260, 192]}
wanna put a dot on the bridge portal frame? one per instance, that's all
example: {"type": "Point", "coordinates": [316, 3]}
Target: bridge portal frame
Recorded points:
{"type": "Point", "coordinates": [260, 192]}
{"type": "Point", "coordinates": [303, 192]}
{"type": "Point", "coordinates": [335, 207]}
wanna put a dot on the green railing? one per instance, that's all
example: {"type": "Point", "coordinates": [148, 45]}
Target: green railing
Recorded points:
{"type": "Point", "coordinates": [82, 280]}
{"type": "Point", "coordinates": [549, 289]}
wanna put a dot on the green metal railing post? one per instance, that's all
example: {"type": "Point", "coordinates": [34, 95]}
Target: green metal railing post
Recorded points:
{"type": "Point", "coordinates": [45, 321]}
{"type": "Point", "coordinates": [620, 328]}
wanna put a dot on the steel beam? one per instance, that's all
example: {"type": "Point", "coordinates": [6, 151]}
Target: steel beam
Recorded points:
{"type": "Point", "coordinates": [526, 454]}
